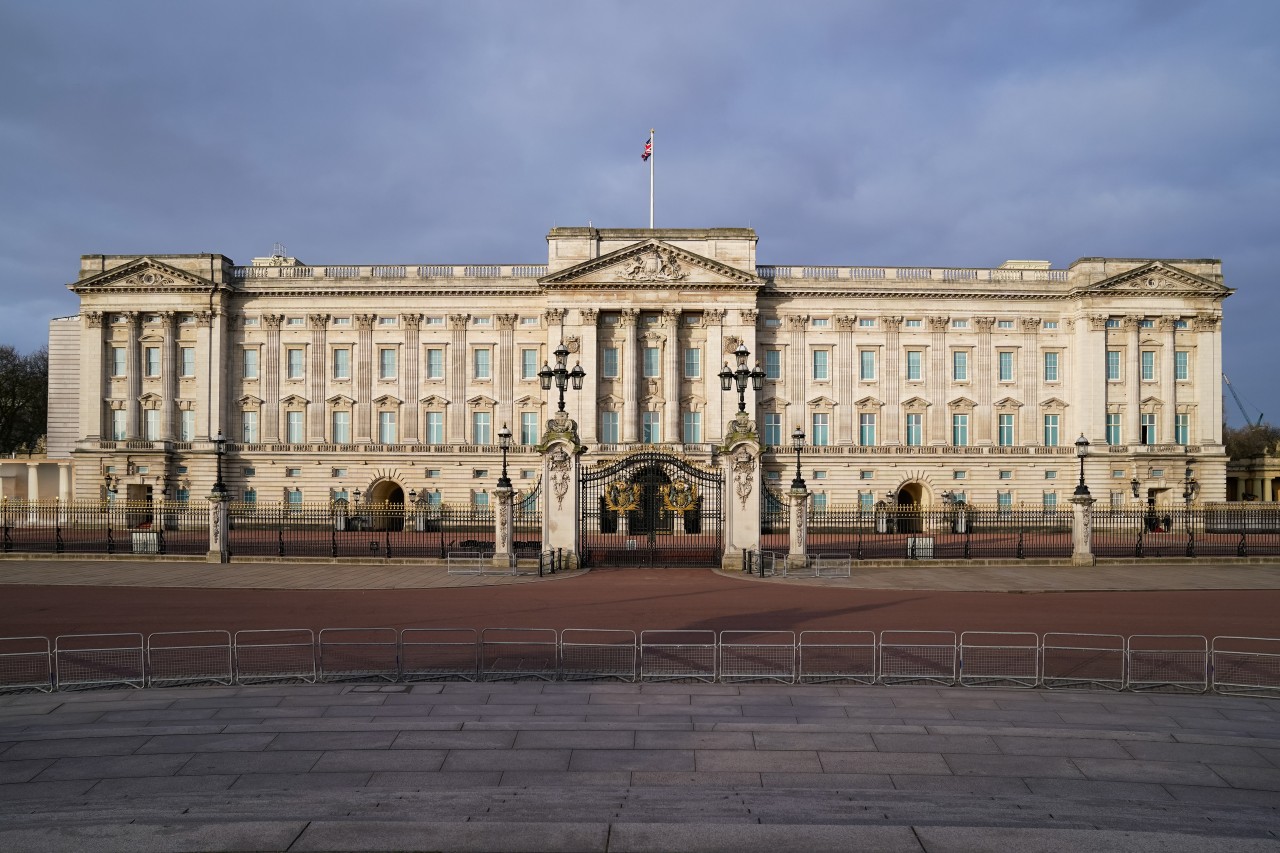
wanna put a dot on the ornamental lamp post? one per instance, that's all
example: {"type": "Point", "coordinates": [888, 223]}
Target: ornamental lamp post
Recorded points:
{"type": "Point", "coordinates": [504, 441]}
{"type": "Point", "coordinates": [1134, 485]}
{"type": "Point", "coordinates": [1082, 450]}
{"type": "Point", "coordinates": [219, 449]}
{"type": "Point", "coordinates": [561, 375]}
{"type": "Point", "coordinates": [741, 377]}
{"type": "Point", "coordinates": [797, 441]}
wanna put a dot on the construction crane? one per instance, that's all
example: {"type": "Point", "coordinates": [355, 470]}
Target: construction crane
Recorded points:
{"type": "Point", "coordinates": [1240, 404]}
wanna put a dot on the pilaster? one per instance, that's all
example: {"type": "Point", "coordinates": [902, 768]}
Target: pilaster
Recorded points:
{"type": "Point", "coordinates": [316, 374]}
{"type": "Point", "coordinates": [133, 369]}
{"type": "Point", "coordinates": [94, 386]}
{"type": "Point", "coordinates": [629, 367]}
{"type": "Point", "coordinates": [169, 373]}
{"type": "Point", "coordinates": [410, 372]}
{"type": "Point", "coordinates": [271, 379]}
{"type": "Point", "coordinates": [589, 334]}
{"type": "Point", "coordinates": [891, 368]}
{"type": "Point", "coordinates": [937, 380]}
{"type": "Point", "coordinates": [672, 378]}
{"type": "Point", "coordinates": [984, 382]}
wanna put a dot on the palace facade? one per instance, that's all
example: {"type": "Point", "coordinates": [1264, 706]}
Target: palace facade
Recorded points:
{"type": "Point", "coordinates": [914, 383]}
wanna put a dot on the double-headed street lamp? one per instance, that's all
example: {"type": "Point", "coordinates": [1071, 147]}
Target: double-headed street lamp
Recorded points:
{"type": "Point", "coordinates": [741, 376]}
{"type": "Point", "coordinates": [1082, 450]}
{"type": "Point", "coordinates": [219, 448]}
{"type": "Point", "coordinates": [504, 441]}
{"type": "Point", "coordinates": [797, 441]}
{"type": "Point", "coordinates": [561, 374]}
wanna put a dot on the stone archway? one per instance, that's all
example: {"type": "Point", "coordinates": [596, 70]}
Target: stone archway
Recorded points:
{"type": "Point", "coordinates": [386, 498]}
{"type": "Point", "coordinates": [911, 497]}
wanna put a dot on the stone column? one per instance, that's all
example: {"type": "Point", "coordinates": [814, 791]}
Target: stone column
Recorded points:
{"type": "Point", "coordinates": [630, 364]}
{"type": "Point", "coordinates": [672, 379]}
{"type": "Point", "coordinates": [64, 481]}
{"type": "Point", "coordinates": [362, 410]}
{"type": "Point", "coordinates": [891, 369]}
{"type": "Point", "coordinates": [504, 380]}
{"type": "Point", "coordinates": [1089, 385]}
{"type": "Point", "coordinates": [937, 381]}
{"type": "Point", "coordinates": [797, 556]}
{"type": "Point", "coordinates": [1032, 431]}
{"type": "Point", "coordinates": [846, 363]}
{"type": "Point", "coordinates": [1133, 380]}
{"type": "Point", "coordinates": [713, 359]}
{"type": "Point", "coordinates": [206, 371]}
{"type": "Point", "coordinates": [503, 525]}
{"type": "Point", "coordinates": [1082, 531]}
{"type": "Point", "coordinates": [270, 382]}
{"type": "Point", "coordinates": [169, 369]}
{"type": "Point", "coordinates": [1208, 370]}
{"type": "Point", "coordinates": [410, 369]}
{"type": "Point", "coordinates": [740, 461]}
{"type": "Point", "coordinates": [561, 470]}
{"type": "Point", "coordinates": [797, 375]}
{"type": "Point", "coordinates": [984, 382]}
{"type": "Point", "coordinates": [456, 372]}
{"type": "Point", "coordinates": [1168, 387]}
{"type": "Point", "coordinates": [33, 481]}
{"type": "Point", "coordinates": [588, 399]}
{"type": "Point", "coordinates": [94, 385]}
{"type": "Point", "coordinates": [218, 524]}
{"type": "Point", "coordinates": [317, 371]}
{"type": "Point", "coordinates": [133, 370]}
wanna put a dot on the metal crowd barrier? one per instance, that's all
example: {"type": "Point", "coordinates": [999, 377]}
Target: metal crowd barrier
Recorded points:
{"type": "Point", "coordinates": [1248, 666]}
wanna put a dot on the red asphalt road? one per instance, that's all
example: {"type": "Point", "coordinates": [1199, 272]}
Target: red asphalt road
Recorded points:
{"type": "Point", "coordinates": [638, 600]}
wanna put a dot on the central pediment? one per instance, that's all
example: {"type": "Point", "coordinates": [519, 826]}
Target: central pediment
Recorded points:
{"type": "Point", "coordinates": [651, 264]}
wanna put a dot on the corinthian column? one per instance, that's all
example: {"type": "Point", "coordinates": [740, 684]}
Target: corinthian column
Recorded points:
{"type": "Point", "coordinates": [631, 370]}
{"type": "Point", "coordinates": [169, 370]}
{"type": "Point", "coordinates": [589, 421]}
{"type": "Point", "coordinates": [504, 380]}
{"type": "Point", "coordinates": [271, 380]}
{"type": "Point", "coordinates": [1168, 387]}
{"type": "Point", "coordinates": [984, 381]}
{"type": "Point", "coordinates": [890, 378]}
{"type": "Point", "coordinates": [316, 376]}
{"type": "Point", "coordinates": [456, 372]}
{"type": "Point", "coordinates": [363, 409]}
{"type": "Point", "coordinates": [409, 370]}
{"type": "Point", "coordinates": [938, 379]}
{"type": "Point", "coordinates": [94, 385]}
{"type": "Point", "coordinates": [133, 359]}
{"type": "Point", "coordinates": [672, 381]}
{"type": "Point", "coordinates": [845, 364]}
{"type": "Point", "coordinates": [1032, 415]}
{"type": "Point", "coordinates": [797, 373]}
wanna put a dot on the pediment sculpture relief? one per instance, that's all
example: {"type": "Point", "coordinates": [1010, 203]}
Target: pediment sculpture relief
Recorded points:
{"type": "Point", "coordinates": [659, 264]}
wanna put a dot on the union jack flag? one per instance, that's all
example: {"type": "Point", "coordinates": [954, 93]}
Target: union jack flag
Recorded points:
{"type": "Point", "coordinates": [648, 150]}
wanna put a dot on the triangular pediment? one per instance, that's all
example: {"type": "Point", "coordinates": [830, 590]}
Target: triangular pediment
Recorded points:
{"type": "Point", "coordinates": [480, 401]}
{"type": "Point", "coordinates": [649, 264]}
{"type": "Point", "coordinates": [387, 399]}
{"type": "Point", "coordinates": [1157, 277]}
{"type": "Point", "coordinates": [823, 402]}
{"type": "Point", "coordinates": [609, 401]}
{"type": "Point", "coordinates": [294, 400]}
{"type": "Point", "coordinates": [340, 400]}
{"type": "Point", "coordinates": [1007, 403]}
{"type": "Point", "coordinates": [144, 275]}
{"type": "Point", "coordinates": [962, 403]}
{"type": "Point", "coordinates": [248, 401]}
{"type": "Point", "coordinates": [1151, 401]}
{"type": "Point", "coordinates": [433, 400]}
{"type": "Point", "coordinates": [869, 402]}
{"type": "Point", "coordinates": [528, 400]}
{"type": "Point", "coordinates": [916, 403]}
{"type": "Point", "coordinates": [1053, 403]}
{"type": "Point", "coordinates": [775, 403]}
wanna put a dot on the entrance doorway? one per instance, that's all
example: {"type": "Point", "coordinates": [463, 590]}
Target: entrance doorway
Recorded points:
{"type": "Point", "coordinates": [910, 498]}
{"type": "Point", "coordinates": [387, 498]}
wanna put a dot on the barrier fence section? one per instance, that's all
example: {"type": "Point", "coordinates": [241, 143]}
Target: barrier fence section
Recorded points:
{"type": "Point", "coordinates": [1247, 666]}
{"type": "Point", "coordinates": [104, 527]}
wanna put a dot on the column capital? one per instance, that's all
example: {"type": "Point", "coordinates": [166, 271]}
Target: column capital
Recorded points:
{"type": "Point", "coordinates": [411, 321]}
{"type": "Point", "coordinates": [318, 321]}
{"type": "Point", "coordinates": [458, 322]}
{"type": "Point", "coordinates": [891, 324]}
{"type": "Point", "coordinates": [984, 324]}
{"type": "Point", "coordinates": [554, 315]}
{"type": "Point", "coordinates": [507, 322]}
{"type": "Point", "coordinates": [588, 316]}
{"type": "Point", "coordinates": [629, 317]}
{"type": "Point", "coordinates": [845, 323]}
{"type": "Point", "coordinates": [273, 321]}
{"type": "Point", "coordinates": [797, 322]}
{"type": "Point", "coordinates": [92, 319]}
{"type": "Point", "coordinates": [1030, 325]}
{"type": "Point", "coordinates": [748, 316]}
{"type": "Point", "coordinates": [939, 324]}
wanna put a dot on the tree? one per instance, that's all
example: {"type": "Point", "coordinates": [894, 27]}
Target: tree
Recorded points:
{"type": "Point", "coordinates": [1251, 440]}
{"type": "Point", "coordinates": [24, 399]}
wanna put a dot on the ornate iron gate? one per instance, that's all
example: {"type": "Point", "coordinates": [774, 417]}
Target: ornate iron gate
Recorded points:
{"type": "Point", "coordinates": [651, 509]}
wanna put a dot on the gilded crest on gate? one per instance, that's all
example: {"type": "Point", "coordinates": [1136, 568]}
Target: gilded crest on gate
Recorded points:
{"type": "Point", "coordinates": [680, 496]}
{"type": "Point", "coordinates": [621, 496]}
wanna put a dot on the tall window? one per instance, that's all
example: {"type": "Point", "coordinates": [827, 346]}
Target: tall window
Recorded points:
{"type": "Point", "coordinates": [915, 365]}
{"type": "Point", "coordinates": [650, 428]}
{"type": "Point", "coordinates": [481, 362]}
{"type": "Point", "coordinates": [294, 498]}
{"type": "Point", "coordinates": [117, 361]}
{"type": "Point", "coordinates": [1147, 423]}
{"type": "Point", "coordinates": [867, 365]}
{"type": "Point", "coordinates": [1006, 366]}
{"type": "Point", "coordinates": [821, 364]}
{"type": "Point", "coordinates": [692, 363]}
{"type": "Point", "coordinates": [480, 428]}
{"type": "Point", "coordinates": [386, 427]}
{"type": "Point", "coordinates": [387, 363]}
{"type": "Point", "coordinates": [187, 425]}
{"type": "Point", "coordinates": [1113, 365]}
{"type": "Point", "coordinates": [435, 363]}
{"type": "Point", "coordinates": [608, 427]}
{"type": "Point", "coordinates": [528, 364]}
{"type": "Point", "coordinates": [151, 361]}
{"type": "Point", "coordinates": [249, 427]}
{"type": "Point", "coordinates": [293, 427]}
{"type": "Point", "coordinates": [341, 427]}
{"type": "Point", "coordinates": [1005, 431]}
{"type": "Point", "coordinates": [773, 429]}
{"type": "Point", "coordinates": [187, 356]}
{"type": "Point", "coordinates": [1050, 430]}
{"type": "Point", "coordinates": [1181, 428]}
{"type": "Point", "coordinates": [435, 427]}
{"type": "Point", "coordinates": [1148, 358]}
{"type": "Point", "coordinates": [773, 364]}
{"type": "Point", "coordinates": [960, 430]}
{"type": "Point", "coordinates": [820, 434]}
{"type": "Point", "coordinates": [342, 364]}
{"type": "Point", "coordinates": [528, 427]}
{"type": "Point", "coordinates": [1051, 367]}
{"type": "Point", "coordinates": [1049, 500]}
{"type": "Point", "coordinates": [692, 427]}
{"type": "Point", "coordinates": [915, 429]}
{"type": "Point", "coordinates": [293, 360]}
{"type": "Point", "coordinates": [1114, 435]}
{"type": "Point", "coordinates": [1004, 502]}
{"type": "Point", "coordinates": [1182, 365]}
{"type": "Point", "coordinates": [867, 429]}
{"type": "Point", "coordinates": [960, 366]}
{"type": "Point", "coordinates": [609, 363]}
{"type": "Point", "coordinates": [651, 362]}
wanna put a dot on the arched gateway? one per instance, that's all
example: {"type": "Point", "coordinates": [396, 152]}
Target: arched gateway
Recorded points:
{"type": "Point", "coordinates": [651, 509]}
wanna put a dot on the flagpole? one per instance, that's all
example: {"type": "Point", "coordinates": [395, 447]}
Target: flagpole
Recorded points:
{"type": "Point", "coordinates": [651, 179]}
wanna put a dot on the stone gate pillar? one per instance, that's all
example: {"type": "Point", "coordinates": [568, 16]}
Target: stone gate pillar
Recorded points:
{"type": "Point", "coordinates": [1082, 531]}
{"type": "Point", "coordinates": [740, 462]}
{"type": "Point", "coordinates": [797, 556]}
{"type": "Point", "coordinates": [561, 473]}
{"type": "Point", "coordinates": [503, 523]}
{"type": "Point", "coordinates": [218, 524]}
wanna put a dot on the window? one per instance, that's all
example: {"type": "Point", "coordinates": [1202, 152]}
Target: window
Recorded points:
{"type": "Point", "coordinates": [867, 322]}
{"type": "Point", "coordinates": [1004, 429]}
{"type": "Point", "coordinates": [866, 475]}
{"type": "Point", "coordinates": [1181, 428]}
{"type": "Point", "coordinates": [959, 475]}
{"type": "Point", "coordinates": [151, 361]}
{"type": "Point", "coordinates": [435, 363]}
{"type": "Point", "coordinates": [820, 434]}
{"type": "Point", "coordinates": [772, 322]}
{"type": "Point", "coordinates": [342, 364]}
{"type": "Point", "coordinates": [248, 472]}
{"type": "Point", "coordinates": [960, 366]}
{"type": "Point", "coordinates": [914, 324]}
{"type": "Point", "coordinates": [819, 501]}
{"type": "Point", "coordinates": [187, 358]}
{"type": "Point", "coordinates": [1182, 365]}
{"type": "Point", "coordinates": [1113, 429]}
{"type": "Point", "coordinates": [1051, 475]}
{"type": "Point", "coordinates": [433, 321]}
{"type": "Point", "coordinates": [480, 426]}
{"type": "Point", "coordinates": [1147, 425]}
{"type": "Point", "coordinates": [821, 364]}
{"type": "Point", "coordinates": [960, 430]}
{"type": "Point", "coordinates": [294, 362]}
{"type": "Point", "coordinates": [609, 363]}
{"type": "Point", "coordinates": [386, 427]}
{"type": "Point", "coordinates": [528, 364]}
{"type": "Point", "coordinates": [1050, 500]}
{"type": "Point", "coordinates": [959, 324]}
{"type": "Point", "coordinates": [1180, 324]}
{"type": "Point", "coordinates": [391, 321]}
{"type": "Point", "coordinates": [692, 363]}
{"type": "Point", "coordinates": [187, 425]}
{"type": "Point", "coordinates": [915, 429]}
{"type": "Point", "coordinates": [1148, 365]}
{"type": "Point", "coordinates": [250, 362]}
{"type": "Point", "coordinates": [821, 322]}
{"type": "Point", "coordinates": [337, 472]}
{"type": "Point", "coordinates": [387, 363]}
{"type": "Point", "coordinates": [118, 425]}
{"type": "Point", "coordinates": [294, 498]}
{"type": "Point", "coordinates": [251, 496]}
{"type": "Point", "coordinates": [773, 364]}
{"type": "Point", "coordinates": [249, 427]}
{"type": "Point", "coordinates": [1050, 430]}
{"type": "Point", "coordinates": [692, 427]}
{"type": "Point", "coordinates": [867, 365]}
{"type": "Point", "coordinates": [183, 495]}
{"type": "Point", "coordinates": [772, 429]}
{"type": "Point", "coordinates": [435, 428]}
{"type": "Point", "coordinates": [1051, 324]}
{"type": "Point", "coordinates": [1147, 324]}
{"type": "Point", "coordinates": [1004, 500]}
{"type": "Point", "coordinates": [481, 362]}
{"type": "Point", "coordinates": [1006, 475]}
{"type": "Point", "coordinates": [293, 472]}
{"type": "Point", "coordinates": [293, 427]}
{"type": "Point", "coordinates": [1113, 322]}
{"type": "Point", "coordinates": [915, 365]}
{"type": "Point", "coordinates": [608, 427]}
{"type": "Point", "coordinates": [117, 361]}
{"type": "Point", "coordinates": [1051, 367]}
{"type": "Point", "coordinates": [479, 473]}
{"type": "Point", "coordinates": [1004, 324]}
{"type": "Point", "coordinates": [651, 428]}
{"type": "Point", "coordinates": [293, 321]}
{"type": "Point", "coordinates": [866, 501]}
{"type": "Point", "coordinates": [1005, 359]}
{"type": "Point", "coordinates": [528, 321]}
{"type": "Point", "coordinates": [342, 321]}
{"type": "Point", "coordinates": [651, 363]}
{"type": "Point", "coordinates": [341, 422]}
{"type": "Point", "coordinates": [1113, 365]}
{"type": "Point", "coordinates": [867, 429]}
{"type": "Point", "coordinates": [528, 427]}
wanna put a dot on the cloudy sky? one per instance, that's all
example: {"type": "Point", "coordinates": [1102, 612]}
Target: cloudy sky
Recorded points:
{"type": "Point", "coordinates": [866, 132]}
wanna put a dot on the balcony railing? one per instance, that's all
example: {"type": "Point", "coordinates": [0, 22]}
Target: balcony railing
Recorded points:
{"type": "Point", "coordinates": [967, 275]}
{"type": "Point", "coordinates": [392, 272]}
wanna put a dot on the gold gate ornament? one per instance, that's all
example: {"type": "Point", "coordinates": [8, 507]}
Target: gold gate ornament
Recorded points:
{"type": "Point", "coordinates": [680, 496]}
{"type": "Point", "coordinates": [621, 496]}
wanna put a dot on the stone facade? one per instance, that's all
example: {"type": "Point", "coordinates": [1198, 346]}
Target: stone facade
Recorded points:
{"type": "Point", "coordinates": [387, 378]}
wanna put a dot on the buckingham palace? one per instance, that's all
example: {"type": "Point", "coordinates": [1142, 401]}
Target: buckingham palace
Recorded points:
{"type": "Point", "coordinates": [397, 381]}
